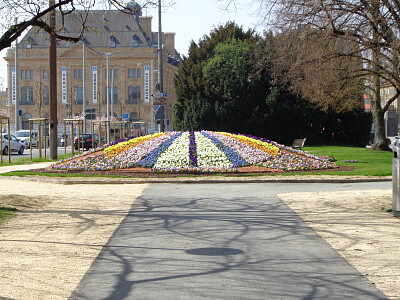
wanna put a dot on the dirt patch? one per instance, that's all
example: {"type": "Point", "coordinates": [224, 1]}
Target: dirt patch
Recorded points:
{"type": "Point", "coordinates": [56, 234]}
{"type": "Point", "coordinates": [22, 202]}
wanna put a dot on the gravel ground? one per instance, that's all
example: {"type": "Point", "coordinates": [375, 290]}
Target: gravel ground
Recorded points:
{"type": "Point", "coordinates": [59, 230]}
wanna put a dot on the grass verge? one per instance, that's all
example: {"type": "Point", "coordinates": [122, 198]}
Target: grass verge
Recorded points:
{"type": "Point", "coordinates": [6, 212]}
{"type": "Point", "coordinates": [365, 162]}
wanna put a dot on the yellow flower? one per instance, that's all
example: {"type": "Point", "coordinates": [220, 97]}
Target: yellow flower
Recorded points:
{"type": "Point", "coordinates": [114, 150]}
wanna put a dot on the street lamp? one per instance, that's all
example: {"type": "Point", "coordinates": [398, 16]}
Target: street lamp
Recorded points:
{"type": "Point", "coordinates": [108, 85]}
{"type": "Point", "coordinates": [16, 84]}
{"type": "Point", "coordinates": [108, 96]}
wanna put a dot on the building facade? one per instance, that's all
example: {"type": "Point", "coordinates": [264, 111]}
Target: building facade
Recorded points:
{"type": "Point", "coordinates": [112, 70]}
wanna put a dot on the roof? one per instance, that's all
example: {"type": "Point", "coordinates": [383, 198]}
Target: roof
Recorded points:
{"type": "Point", "coordinates": [103, 29]}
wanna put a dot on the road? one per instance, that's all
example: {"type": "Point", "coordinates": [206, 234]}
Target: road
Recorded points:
{"type": "Point", "coordinates": [222, 241]}
{"type": "Point", "coordinates": [35, 153]}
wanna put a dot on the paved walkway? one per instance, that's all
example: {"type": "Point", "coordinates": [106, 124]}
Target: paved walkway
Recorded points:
{"type": "Point", "coordinates": [25, 167]}
{"type": "Point", "coordinates": [234, 241]}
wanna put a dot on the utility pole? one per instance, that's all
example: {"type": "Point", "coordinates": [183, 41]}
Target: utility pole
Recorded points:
{"type": "Point", "coordinates": [53, 85]}
{"type": "Point", "coordinates": [160, 64]}
{"type": "Point", "coordinates": [83, 86]}
{"type": "Point", "coordinates": [16, 85]}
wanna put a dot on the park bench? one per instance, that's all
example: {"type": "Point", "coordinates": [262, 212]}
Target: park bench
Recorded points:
{"type": "Point", "coordinates": [299, 143]}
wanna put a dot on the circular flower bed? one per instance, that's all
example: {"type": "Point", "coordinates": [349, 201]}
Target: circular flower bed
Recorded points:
{"type": "Point", "coordinates": [199, 151]}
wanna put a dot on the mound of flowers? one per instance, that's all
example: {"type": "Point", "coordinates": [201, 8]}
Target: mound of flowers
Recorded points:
{"type": "Point", "coordinates": [194, 151]}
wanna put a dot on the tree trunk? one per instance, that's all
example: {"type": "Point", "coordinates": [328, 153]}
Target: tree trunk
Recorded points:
{"type": "Point", "coordinates": [380, 141]}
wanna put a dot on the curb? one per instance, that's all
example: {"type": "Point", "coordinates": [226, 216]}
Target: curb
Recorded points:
{"type": "Point", "coordinates": [102, 180]}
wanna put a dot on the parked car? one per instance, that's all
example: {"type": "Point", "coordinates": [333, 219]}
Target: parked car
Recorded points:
{"type": "Point", "coordinates": [23, 136]}
{"type": "Point", "coordinates": [89, 141]}
{"type": "Point", "coordinates": [15, 144]}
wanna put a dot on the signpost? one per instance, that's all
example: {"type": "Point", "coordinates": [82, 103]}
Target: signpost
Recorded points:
{"type": "Point", "coordinates": [160, 102]}
{"type": "Point", "coordinates": [159, 95]}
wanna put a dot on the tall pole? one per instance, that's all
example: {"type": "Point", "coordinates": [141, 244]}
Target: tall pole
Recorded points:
{"type": "Point", "coordinates": [108, 96]}
{"type": "Point", "coordinates": [112, 95]}
{"type": "Point", "coordinates": [108, 85]}
{"type": "Point", "coordinates": [53, 85]}
{"type": "Point", "coordinates": [16, 85]}
{"type": "Point", "coordinates": [83, 87]}
{"type": "Point", "coordinates": [160, 62]}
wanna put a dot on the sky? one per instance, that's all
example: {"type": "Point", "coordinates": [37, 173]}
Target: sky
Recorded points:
{"type": "Point", "coordinates": [190, 20]}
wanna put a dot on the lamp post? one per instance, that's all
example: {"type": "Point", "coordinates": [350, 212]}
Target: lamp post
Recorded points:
{"type": "Point", "coordinates": [16, 85]}
{"type": "Point", "coordinates": [160, 63]}
{"type": "Point", "coordinates": [83, 86]}
{"type": "Point", "coordinates": [53, 85]}
{"type": "Point", "coordinates": [108, 84]}
{"type": "Point", "coordinates": [108, 94]}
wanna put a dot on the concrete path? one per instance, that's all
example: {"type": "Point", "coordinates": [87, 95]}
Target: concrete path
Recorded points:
{"type": "Point", "coordinates": [24, 167]}
{"type": "Point", "coordinates": [222, 241]}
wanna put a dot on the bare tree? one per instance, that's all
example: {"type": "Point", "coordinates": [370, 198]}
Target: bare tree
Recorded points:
{"type": "Point", "coordinates": [319, 69]}
{"type": "Point", "coordinates": [19, 15]}
{"type": "Point", "coordinates": [372, 27]}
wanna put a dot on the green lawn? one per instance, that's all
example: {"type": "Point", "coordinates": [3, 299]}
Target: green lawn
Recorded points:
{"type": "Point", "coordinates": [6, 212]}
{"type": "Point", "coordinates": [370, 163]}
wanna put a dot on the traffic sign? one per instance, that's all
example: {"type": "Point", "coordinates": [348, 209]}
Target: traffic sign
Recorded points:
{"type": "Point", "coordinates": [159, 95]}
{"type": "Point", "coordinates": [125, 116]}
{"type": "Point", "coordinates": [160, 114]}
{"type": "Point", "coordinates": [159, 103]}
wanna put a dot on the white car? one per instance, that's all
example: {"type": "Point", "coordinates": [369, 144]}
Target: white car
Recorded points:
{"type": "Point", "coordinates": [23, 136]}
{"type": "Point", "coordinates": [15, 144]}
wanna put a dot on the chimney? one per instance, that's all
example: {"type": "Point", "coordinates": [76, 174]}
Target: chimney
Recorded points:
{"type": "Point", "coordinates": [169, 43]}
{"type": "Point", "coordinates": [145, 23]}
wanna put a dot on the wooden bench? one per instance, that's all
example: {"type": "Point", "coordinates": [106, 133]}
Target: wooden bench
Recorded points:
{"type": "Point", "coordinates": [299, 143]}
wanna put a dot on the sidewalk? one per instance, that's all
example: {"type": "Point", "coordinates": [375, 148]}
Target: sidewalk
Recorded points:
{"type": "Point", "coordinates": [25, 167]}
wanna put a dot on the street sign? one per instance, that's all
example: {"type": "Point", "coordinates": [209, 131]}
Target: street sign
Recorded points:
{"type": "Point", "coordinates": [160, 114]}
{"type": "Point", "coordinates": [158, 103]}
{"type": "Point", "coordinates": [125, 116]}
{"type": "Point", "coordinates": [159, 95]}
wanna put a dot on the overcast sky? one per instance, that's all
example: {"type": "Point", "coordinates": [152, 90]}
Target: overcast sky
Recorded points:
{"type": "Point", "coordinates": [190, 20]}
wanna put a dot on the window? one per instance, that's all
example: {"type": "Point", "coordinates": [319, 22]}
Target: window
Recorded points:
{"type": "Point", "coordinates": [113, 73]}
{"type": "Point", "coordinates": [133, 73]}
{"type": "Point", "coordinates": [45, 75]}
{"type": "Point", "coordinates": [30, 42]}
{"type": "Point", "coordinates": [136, 41]}
{"type": "Point", "coordinates": [25, 120]}
{"type": "Point", "coordinates": [26, 95]}
{"type": "Point", "coordinates": [133, 94]}
{"type": "Point", "coordinates": [113, 42]}
{"type": "Point", "coordinates": [78, 94]}
{"type": "Point", "coordinates": [26, 74]}
{"type": "Point", "coordinates": [46, 95]}
{"type": "Point", "coordinates": [112, 97]}
{"type": "Point", "coordinates": [78, 74]}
